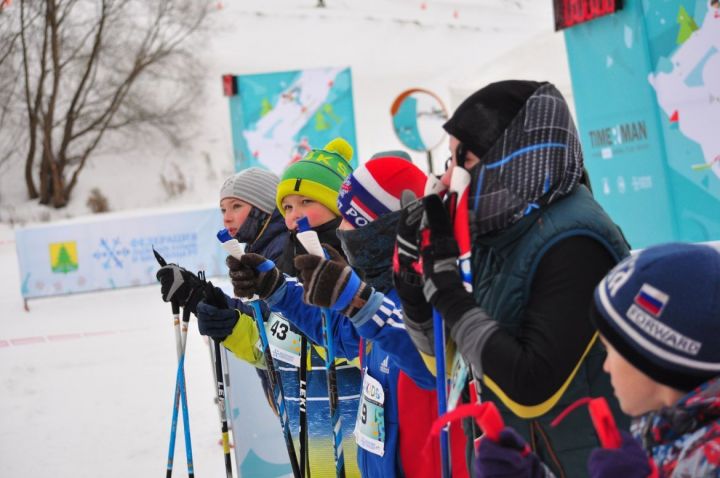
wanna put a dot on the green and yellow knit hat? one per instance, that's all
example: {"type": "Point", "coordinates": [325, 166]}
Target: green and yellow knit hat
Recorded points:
{"type": "Point", "coordinates": [318, 175]}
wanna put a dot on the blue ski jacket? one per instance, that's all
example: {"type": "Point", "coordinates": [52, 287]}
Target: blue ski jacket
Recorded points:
{"type": "Point", "coordinates": [387, 350]}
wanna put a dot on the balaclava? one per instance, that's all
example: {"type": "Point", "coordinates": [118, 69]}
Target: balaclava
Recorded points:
{"type": "Point", "coordinates": [529, 150]}
{"type": "Point", "coordinates": [370, 200]}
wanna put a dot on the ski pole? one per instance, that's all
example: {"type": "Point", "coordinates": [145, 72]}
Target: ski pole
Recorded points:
{"type": "Point", "coordinates": [221, 405]}
{"type": "Point", "coordinates": [457, 204]}
{"type": "Point", "coordinates": [180, 396]}
{"type": "Point", "coordinates": [440, 375]}
{"type": "Point", "coordinates": [180, 389]}
{"type": "Point", "coordinates": [309, 239]}
{"type": "Point", "coordinates": [219, 374]}
{"type": "Point", "coordinates": [277, 390]}
{"type": "Point", "coordinates": [459, 190]}
{"type": "Point", "coordinates": [231, 246]}
{"type": "Point", "coordinates": [441, 385]}
{"type": "Point", "coordinates": [304, 452]}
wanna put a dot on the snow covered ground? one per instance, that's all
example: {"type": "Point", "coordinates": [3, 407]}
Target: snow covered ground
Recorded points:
{"type": "Point", "coordinates": [86, 384]}
{"type": "Point", "coordinates": [86, 381]}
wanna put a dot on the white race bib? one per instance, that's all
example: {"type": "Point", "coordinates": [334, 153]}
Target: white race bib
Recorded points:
{"type": "Point", "coordinates": [284, 343]}
{"type": "Point", "coordinates": [370, 423]}
{"type": "Point", "coordinates": [458, 377]}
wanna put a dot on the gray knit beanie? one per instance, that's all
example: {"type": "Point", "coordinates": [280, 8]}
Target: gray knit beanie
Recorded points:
{"type": "Point", "coordinates": [255, 186]}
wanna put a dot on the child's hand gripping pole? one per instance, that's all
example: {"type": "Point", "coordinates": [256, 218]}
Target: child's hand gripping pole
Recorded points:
{"type": "Point", "coordinates": [310, 241]}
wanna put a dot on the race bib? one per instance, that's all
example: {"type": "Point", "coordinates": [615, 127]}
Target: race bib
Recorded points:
{"type": "Point", "coordinates": [370, 423]}
{"type": "Point", "coordinates": [284, 343]}
{"type": "Point", "coordinates": [458, 377]}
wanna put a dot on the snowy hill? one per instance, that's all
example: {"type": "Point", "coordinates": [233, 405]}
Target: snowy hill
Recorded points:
{"type": "Point", "coordinates": [391, 45]}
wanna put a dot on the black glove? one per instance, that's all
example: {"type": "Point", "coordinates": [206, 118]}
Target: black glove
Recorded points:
{"type": "Point", "coordinates": [254, 274]}
{"type": "Point", "coordinates": [181, 286]}
{"type": "Point", "coordinates": [331, 282]}
{"type": "Point", "coordinates": [443, 286]}
{"type": "Point", "coordinates": [407, 271]}
{"type": "Point", "coordinates": [216, 322]}
{"type": "Point", "coordinates": [407, 274]}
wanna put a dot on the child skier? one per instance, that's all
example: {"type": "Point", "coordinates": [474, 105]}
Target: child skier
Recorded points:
{"type": "Point", "coordinates": [249, 214]}
{"type": "Point", "coordinates": [397, 403]}
{"type": "Point", "coordinates": [309, 188]}
{"type": "Point", "coordinates": [658, 314]}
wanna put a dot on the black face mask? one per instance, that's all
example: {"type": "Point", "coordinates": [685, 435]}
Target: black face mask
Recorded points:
{"type": "Point", "coordinates": [369, 250]}
{"type": "Point", "coordinates": [250, 229]}
{"type": "Point", "coordinates": [326, 235]}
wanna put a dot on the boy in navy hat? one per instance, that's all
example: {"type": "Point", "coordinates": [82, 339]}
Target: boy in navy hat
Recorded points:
{"type": "Point", "coordinates": [658, 314]}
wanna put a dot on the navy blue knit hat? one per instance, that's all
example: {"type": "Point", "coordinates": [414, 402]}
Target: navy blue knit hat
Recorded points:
{"type": "Point", "coordinates": [660, 309]}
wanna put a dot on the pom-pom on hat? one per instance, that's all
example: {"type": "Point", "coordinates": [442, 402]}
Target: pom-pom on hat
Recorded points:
{"type": "Point", "coordinates": [375, 188]}
{"type": "Point", "coordinates": [660, 309]}
{"type": "Point", "coordinates": [318, 175]}
{"type": "Point", "coordinates": [255, 186]}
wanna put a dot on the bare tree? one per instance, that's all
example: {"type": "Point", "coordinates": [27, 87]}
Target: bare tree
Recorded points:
{"type": "Point", "coordinates": [80, 71]}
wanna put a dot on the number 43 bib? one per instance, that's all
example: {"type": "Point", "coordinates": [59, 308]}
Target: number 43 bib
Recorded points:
{"type": "Point", "coordinates": [284, 343]}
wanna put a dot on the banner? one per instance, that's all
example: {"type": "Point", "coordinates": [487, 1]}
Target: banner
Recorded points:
{"type": "Point", "coordinates": [259, 443]}
{"type": "Point", "coordinates": [111, 250]}
{"type": "Point", "coordinates": [276, 118]}
{"type": "Point", "coordinates": [646, 84]}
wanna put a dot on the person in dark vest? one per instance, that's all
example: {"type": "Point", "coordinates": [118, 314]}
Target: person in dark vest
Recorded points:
{"type": "Point", "coordinates": [658, 314]}
{"type": "Point", "coordinates": [540, 244]}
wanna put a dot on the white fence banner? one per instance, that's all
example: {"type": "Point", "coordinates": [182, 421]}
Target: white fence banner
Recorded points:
{"type": "Point", "coordinates": [114, 250]}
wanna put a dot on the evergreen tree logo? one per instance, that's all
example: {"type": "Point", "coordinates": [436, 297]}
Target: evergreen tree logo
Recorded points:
{"type": "Point", "coordinates": [687, 25]}
{"type": "Point", "coordinates": [63, 257]}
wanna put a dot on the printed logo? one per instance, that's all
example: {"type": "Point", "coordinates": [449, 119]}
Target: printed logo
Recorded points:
{"type": "Point", "coordinates": [661, 332]}
{"type": "Point", "coordinates": [384, 368]}
{"type": "Point", "coordinates": [111, 253]}
{"type": "Point", "coordinates": [651, 300]}
{"type": "Point", "coordinates": [63, 257]}
{"type": "Point", "coordinates": [620, 275]}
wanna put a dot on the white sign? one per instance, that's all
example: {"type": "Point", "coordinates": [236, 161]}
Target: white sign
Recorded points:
{"type": "Point", "coordinates": [115, 250]}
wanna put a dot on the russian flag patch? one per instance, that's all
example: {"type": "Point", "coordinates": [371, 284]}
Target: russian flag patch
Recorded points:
{"type": "Point", "coordinates": [651, 300]}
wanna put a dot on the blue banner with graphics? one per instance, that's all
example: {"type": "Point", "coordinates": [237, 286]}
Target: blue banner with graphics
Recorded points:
{"type": "Point", "coordinates": [646, 83]}
{"type": "Point", "coordinates": [278, 117]}
{"type": "Point", "coordinates": [111, 251]}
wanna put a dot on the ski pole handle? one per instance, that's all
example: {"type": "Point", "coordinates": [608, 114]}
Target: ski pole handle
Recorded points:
{"type": "Point", "coordinates": [160, 259]}
{"type": "Point", "coordinates": [231, 245]}
{"type": "Point", "coordinates": [602, 420]}
{"type": "Point", "coordinates": [604, 423]}
{"type": "Point", "coordinates": [309, 238]}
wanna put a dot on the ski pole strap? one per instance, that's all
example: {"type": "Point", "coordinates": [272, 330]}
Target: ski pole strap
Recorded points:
{"type": "Point", "coordinates": [602, 419]}
{"type": "Point", "coordinates": [486, 415]}
{"type": "Point", "coordinates": [265, 266]}
{"type": "Point", "coordinates": [347, 294]}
